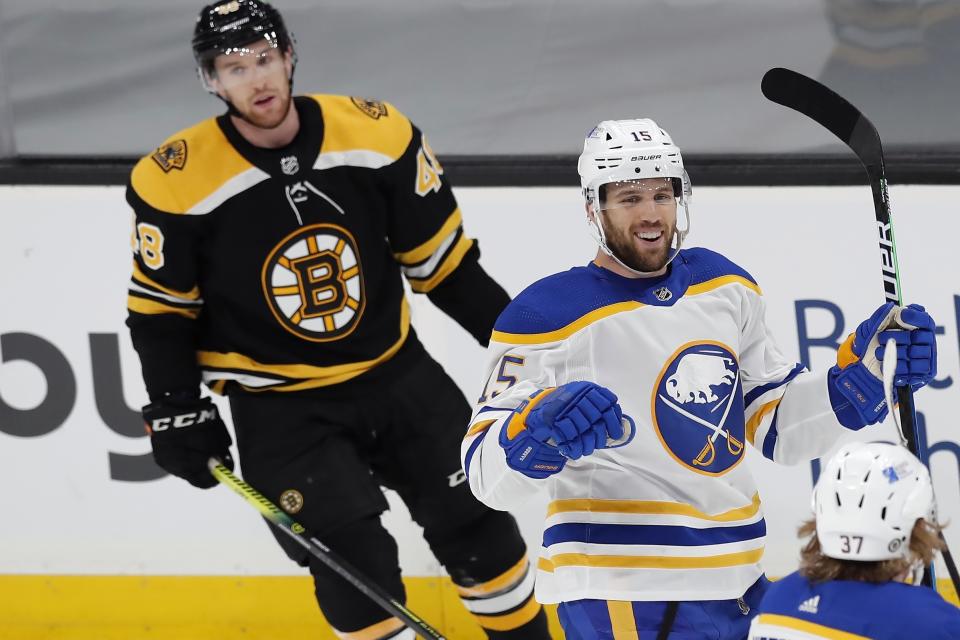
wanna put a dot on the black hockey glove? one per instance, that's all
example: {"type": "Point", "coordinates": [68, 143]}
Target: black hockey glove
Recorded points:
{"type": "Point", "coordinates": [185, 431]}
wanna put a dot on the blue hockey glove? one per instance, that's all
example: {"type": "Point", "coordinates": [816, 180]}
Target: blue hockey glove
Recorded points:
{"type": "Point", "coordinates": [553, 425]}
{"type": "Point", "coordinates": [858, 378]}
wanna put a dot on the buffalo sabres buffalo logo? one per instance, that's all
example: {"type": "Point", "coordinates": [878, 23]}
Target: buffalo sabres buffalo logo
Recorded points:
{"type": "Point", "coordinates": [698, 408]}
{"type": "Point", "coordinates": [313, 283]}
{"type": "Point", "coordinates": [172, 155]}
{"type": "Point", "coordinates": [373, 108]}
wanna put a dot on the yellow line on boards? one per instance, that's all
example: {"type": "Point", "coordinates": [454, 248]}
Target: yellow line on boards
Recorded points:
{"type": "Point", "coordinates": [48, 607]}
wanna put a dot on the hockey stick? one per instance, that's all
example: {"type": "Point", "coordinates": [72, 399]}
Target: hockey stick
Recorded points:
{"type": "Point", "coordinates": [889, 369]}
{"type": "Point", "coordinates": [299, 534]}
{"type": "Point", "coordinates": [842, 119]}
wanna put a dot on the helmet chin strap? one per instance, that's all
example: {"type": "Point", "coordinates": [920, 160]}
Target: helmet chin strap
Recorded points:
{"type": "Point", "coordinates": [596, 230]}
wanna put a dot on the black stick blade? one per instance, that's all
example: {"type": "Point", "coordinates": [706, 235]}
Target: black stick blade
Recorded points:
{"type": "Point", "coordinates": [800, 93]}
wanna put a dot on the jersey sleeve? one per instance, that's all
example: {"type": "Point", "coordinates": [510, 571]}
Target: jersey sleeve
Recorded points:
{"type": "Point", "coordinates": [514, 373]}
{"type": "Point", "coordinates": [787, 409]}
{"type": "Point", "coordinates": [163, 300]}
{"type": "Point", "coordinates": [427, 238]}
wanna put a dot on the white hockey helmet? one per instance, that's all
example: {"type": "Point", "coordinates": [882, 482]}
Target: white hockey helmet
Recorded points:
{"type": "Point", "coordinates": [868, 499]}
{"type": "Point", "coordinates": [622, 150]}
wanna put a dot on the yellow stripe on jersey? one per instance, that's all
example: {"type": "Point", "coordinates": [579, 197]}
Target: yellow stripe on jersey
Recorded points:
{"type": "Point", "coordinates": [501, 582]}
{"type": "Point", "coordinates": [347, 128]}
{"type": "Point", "coordinates": [511, 620]}
{"type": "Point", "coordinates": [427, 249]}
{"type": "Point", "coordinates": [374, 631]}
{"type": "Point", "coordinates": [140, 276]}
{"type": "Point", "coordinates": [479, 427]}
{"type": "Point", "coordinates": [569, 330]}
{"type": "Point", "coordinates": [652, 507]}
{"type": "Point", "coordinates": [544, 564]}
{"type": "Point", "coordinates": [754, 422]}
{"type": "Point", "coordinates": [605, 312]}
{"type": "Point", "coordinates": [716, 283]}
{"type": "Point", "coordinates": [155, 307]}
{"type": "Point", "coordinates": [449, 264]}
{"type": "Point", "coordinates": [312, 376]}
{"type": "Point", "coordinates": [656, 562]}
{"type": "Point", "coordinates": [807, 627]}
{"type": "Point", "coordinates": [210, 161]}
{"type": "Point", "coordinates": [622, 622]}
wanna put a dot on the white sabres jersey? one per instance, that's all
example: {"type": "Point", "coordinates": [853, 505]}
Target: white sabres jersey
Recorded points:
{"type": "Point", "coordinates": [671, 514]}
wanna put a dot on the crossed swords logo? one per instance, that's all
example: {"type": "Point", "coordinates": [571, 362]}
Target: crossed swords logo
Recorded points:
{"type": "Point", "coordinates": [709, 452]}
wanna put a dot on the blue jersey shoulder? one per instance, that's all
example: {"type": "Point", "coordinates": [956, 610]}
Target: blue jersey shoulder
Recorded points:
{"type": "Point", "coordinates": [554, 302]}
{"type": "Point", "coordinates": [872, 610]}
{"type": "Point", "coordinates": [707, 265]}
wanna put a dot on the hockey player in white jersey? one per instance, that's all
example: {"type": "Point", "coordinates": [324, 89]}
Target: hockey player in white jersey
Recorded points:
{"type": "Point", "coordinates": [628, 389]}
{"type": "Point", "coordinates": [873, 531]}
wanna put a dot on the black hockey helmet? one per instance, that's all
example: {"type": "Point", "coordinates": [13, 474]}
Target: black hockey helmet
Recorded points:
{"type": "Point", "coordinates": [230, 26]}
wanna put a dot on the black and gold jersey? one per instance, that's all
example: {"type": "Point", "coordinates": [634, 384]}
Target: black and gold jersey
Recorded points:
{"type": "Point", "coordinates": [281, 268]}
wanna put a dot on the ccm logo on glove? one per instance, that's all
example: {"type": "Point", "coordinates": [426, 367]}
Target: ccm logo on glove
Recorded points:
{"type": "Point", "coordinates": [182, 420]}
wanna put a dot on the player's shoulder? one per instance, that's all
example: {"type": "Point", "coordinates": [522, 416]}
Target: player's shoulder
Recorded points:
{"type": "Point", "coordinates": [186, 172]}
{"type": "Point", "coordinates": [786, 589]}
{"type": "Point", "coordinates": [934, 618]}
{"type": "Point", "coordinates": [553, 303]}
{"type": "Point", "coordinates": [363, 124]}
{"type": "Point", "coordinates": [710, 269]}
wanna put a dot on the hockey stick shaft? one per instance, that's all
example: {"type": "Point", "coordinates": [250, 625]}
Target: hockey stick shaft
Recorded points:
{"type": "Point", "coordinates": [298, 533]}
{"type": "Point", "coordinates": [846, 122]}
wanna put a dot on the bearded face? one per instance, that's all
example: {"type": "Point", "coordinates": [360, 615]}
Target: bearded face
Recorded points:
{"type": "Point", "coordinates": [639, 219]}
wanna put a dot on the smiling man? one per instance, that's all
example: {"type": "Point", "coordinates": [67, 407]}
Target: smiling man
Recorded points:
{"type": "Point", "coordinates": [627, 390]}
{"type": "Point", "coordinates": [270, 247]}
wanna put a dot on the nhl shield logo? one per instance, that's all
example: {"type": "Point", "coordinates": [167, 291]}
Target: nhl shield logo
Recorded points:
{"type": "Point", "coordinates": [373, 108]}
{"type": "Point", "coordinates": [662, 294]}
{"type": "Point", "coordinates": [289, 165]}
{"type": "Point", "coordinates": [697, 408]}
{"type": "Point", "coordinates": [172, 155]}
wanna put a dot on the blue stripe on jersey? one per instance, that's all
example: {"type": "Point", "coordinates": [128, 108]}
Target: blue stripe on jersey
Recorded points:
{"type": "Point", "coordinates": [485, 409]}
{"type": "Point", "coordinates": [753, 394]}
{"type": "Point", "coordinates": [770, 441]}
{"type": "Point", "coordinates": [471, 450]}
{"type": "Point", "coordinates": [667, 535]}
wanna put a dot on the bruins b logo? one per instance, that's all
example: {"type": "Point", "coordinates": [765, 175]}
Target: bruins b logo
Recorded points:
{"type": "Point", "coordinates": [313, 283]}
{"type": "Point", "coordinates": [172, 155]}
{"type": "Point", "coordinates": [373, 108]}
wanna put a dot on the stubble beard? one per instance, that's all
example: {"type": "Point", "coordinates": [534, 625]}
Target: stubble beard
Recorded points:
{"type": "Point", "coordinates": [269, 121]}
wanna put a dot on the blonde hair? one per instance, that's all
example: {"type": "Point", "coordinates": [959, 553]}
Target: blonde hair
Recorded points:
{"type": "Point", "coordinates": [925, 542]}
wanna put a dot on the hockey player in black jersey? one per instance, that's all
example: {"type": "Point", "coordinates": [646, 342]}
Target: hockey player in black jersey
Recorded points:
{"type": "Point", "coordinates": [269, 249]}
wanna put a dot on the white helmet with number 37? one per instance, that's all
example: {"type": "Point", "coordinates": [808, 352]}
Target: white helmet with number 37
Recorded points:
{"type": "Point", "coordinates": [868, 499]}
{"type": "Point", "coordinates": [624, 150]}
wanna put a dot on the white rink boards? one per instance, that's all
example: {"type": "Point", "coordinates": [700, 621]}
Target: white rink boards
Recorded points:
{"type": "Point", "coordinates": [64, 265]}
